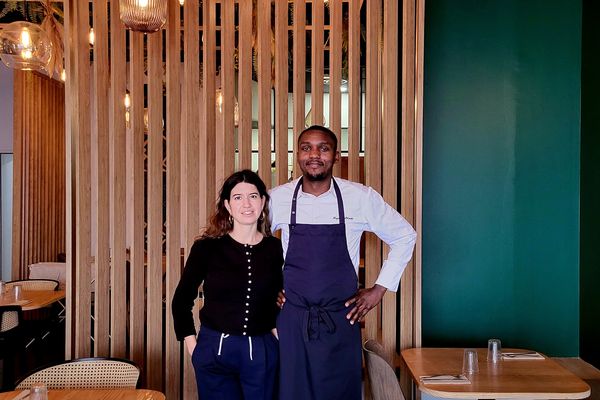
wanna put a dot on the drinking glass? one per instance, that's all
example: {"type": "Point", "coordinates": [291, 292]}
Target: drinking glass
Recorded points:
{"type": "Point", "coordinates": [38, 392]}
{"type": "Point", "coordinates": [494, 353]}
{"type": "Point", "coordinates": [470, 363]}
{"type": "Point", "coordinates": [17, 292]}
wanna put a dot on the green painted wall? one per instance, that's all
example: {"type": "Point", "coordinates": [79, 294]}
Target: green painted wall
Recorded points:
{"type": "Point", "coordinates": [590, 184]}
{"type": "Point", "coordinates": [501, 173]}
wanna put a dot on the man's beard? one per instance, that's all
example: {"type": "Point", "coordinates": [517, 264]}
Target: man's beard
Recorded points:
{"type": "Point", "coordinates": [316, 178]}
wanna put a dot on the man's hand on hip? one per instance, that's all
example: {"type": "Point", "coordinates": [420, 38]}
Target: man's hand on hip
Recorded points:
{"type": "Point", "coordinates": [364, 301]}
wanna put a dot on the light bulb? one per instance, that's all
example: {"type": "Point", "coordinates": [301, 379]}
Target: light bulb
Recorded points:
{"type": "Point", "coordinates": [63, 75]}
{"type": "Point", "coordinates": [127, 100]}
{"type": "Point", "coordinates": [143, 3]}
{"type": "Point", "coordinates": [26, 51]}
{"type": "Point", "coordinates": [181, 2]}
{"type": "Point", "coordinates": [92, 36]}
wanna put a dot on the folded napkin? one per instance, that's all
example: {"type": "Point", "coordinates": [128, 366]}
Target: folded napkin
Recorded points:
{"type": "Point", "coordinates": [445, 379]}
{"type": "Point", "coordinates": [523, 355]}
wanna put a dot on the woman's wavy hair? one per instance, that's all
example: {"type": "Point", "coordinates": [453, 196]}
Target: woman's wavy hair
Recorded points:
{"type": "Point", "coordinates": [220, 223]}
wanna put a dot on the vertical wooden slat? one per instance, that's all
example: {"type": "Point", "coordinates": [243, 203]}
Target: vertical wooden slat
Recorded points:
{"type": "Point", "coordinates": [102, 228]}
{"type": "Point", "coordinates": [118, 277]}
{"type": "Point", "coordinates": [299, 80]}
{"type": "Point", "coordinates": [136, 269]}
{"type": "Point", "coordinates": [372, 151]}
{"type": "Point", "coordinates": [154, 320]}
{"type": "Point", "coordinates": [209, 72]}
{"type": "Point", "coordinates": [418, 171]}
{"type": "Point", "coordinates": [190, 146]}
{"type": "Point", "coordinates": [317, 57]}
{"type": "Point", "coordinates": [81, 133]}
{"type": "Point", "coordinates": [354, 94]}
{"type": "Point", "coordinates": [173, 347]}
{"type": "Point", "coordinates": [389, 142]}
{"type": "Point", "coordinates": [263, 25]}
{"type": "Point", "coordinates": [18, 175]}
{"type": "Point", "coordinates": [335, 74]}
{"type": "Point", "coordinates": [227, 153]}
{"type": "Point", "coordinates": [281, 90]}
{"type": "Point", "coordinates": [245, 84]}
{"type": "Point", "coordinates": [407, 160]}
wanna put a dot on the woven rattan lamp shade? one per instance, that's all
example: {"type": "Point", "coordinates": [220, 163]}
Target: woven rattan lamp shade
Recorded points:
{"type": "Point", "coordinates": [143, 15]}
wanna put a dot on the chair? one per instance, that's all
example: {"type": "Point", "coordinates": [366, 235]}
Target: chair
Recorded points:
{"type": "Point", "coordinates": [11, 342]}
{"type": "Point", "coordinates": [86, 373]}
{"type": "Point", "coordinates": [34, 284]}
{"type": "Point", "coordinates": [383, 380]}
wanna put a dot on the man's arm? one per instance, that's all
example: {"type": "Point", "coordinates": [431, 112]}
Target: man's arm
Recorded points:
{"type": "Point", "coordinates": [399, 235]}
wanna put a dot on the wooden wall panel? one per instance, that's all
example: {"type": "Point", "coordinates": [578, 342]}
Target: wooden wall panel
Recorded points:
{"type": "Point", "coordinates": [154, 314]}
{"type": "Point", "coordinates": [172, 185]}
{"type": "Point", "coordinates": [101, 201]}
{"type": "Point", "coordinates": [373, 152]}
{"type": "Point", "coordinates": [38, 172]}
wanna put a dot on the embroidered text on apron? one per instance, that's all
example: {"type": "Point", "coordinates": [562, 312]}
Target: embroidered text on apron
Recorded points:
{"type": "Point", "coordinates": [320, 351]}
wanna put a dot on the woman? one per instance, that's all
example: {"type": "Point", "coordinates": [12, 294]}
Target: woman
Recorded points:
{"type": "Point", "coordinates": [239, 264]}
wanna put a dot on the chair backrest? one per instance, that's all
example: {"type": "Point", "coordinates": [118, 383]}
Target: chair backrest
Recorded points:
{"type": "Point", "coordinates": [383, 381]}
{"type": "Point", "coordinates": [86, 373]}
{"type": "Point", "coordinates": [34, 284]}
{"type": "Point", "coordinates": [10, 318]}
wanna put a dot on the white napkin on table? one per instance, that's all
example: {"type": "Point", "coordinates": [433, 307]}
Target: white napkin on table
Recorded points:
{"type": "Point", "coordinates": [522, 355]}
{"type": "Point", "coordinates": [445, 379]}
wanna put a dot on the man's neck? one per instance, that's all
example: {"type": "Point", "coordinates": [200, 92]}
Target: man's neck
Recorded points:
{"type": "Point", "coordinates": [316, 188]}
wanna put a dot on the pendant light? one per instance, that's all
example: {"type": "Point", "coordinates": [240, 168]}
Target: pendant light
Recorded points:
{"type": "Point", "coordinates": [25, 46]}
{"type": "Point", "coordinates": [143, 15]}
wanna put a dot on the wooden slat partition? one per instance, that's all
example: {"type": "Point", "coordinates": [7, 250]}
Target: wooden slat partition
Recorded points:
{"type": "Point", "coordinates": [373, 152]}
{"type": "Point", "coordinates": [335, 74]}
{"type": "Point", "coordinates": [316, 72]}
{"type": "Point", "coordinates": [102, 180]}
{"type": "Point", "coordinates": [245, 84]}
{"type": "Point", "coordinates": [159, 198]}
{"type": "Point", "coordinates": [136, 259]}
{"type": "Point", "coordinates": [154, 319]}
{"type": "Point", "coordinates": [38, 171]}
{"type": "Point", "coordinates": [264, 89]}
{"type": "Point", "coordinates": [173, 248]}
{"type": "Point", "coordinates": [281, 90]}
{"type": "Point", "coordinates": [389, 133]}
{"type": "Point", "coordinates": [299, 73]}
{"type": "Point", "coordinates": [118, 210]}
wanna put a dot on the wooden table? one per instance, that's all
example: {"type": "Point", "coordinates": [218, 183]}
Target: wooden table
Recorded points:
{"type": "Point", "coordinates": [95, 394]}
{"type": "Point", "coordinates": [32, 299]}
{"type": "Point", "coordinates": [518, 379]}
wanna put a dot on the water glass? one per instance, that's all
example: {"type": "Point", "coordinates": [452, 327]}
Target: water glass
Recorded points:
{"type": "Point", "coordinates": [494, 353]}
{"type": "Point", "coordinates": [38, 392]}
{"type": "Point", "coordinates": [17, 292]}
{"type": "Point", "coordinates": [470, 363]}
{"type": "Point", "coordinates": [2, 287]}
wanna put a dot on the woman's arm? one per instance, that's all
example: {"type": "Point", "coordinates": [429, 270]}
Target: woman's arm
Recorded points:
{"type": "Point", "coordinates": [190, 343]}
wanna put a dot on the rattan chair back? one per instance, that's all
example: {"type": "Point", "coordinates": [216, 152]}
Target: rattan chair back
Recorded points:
{"type": "Point", "coordinates": [33, 284]}
{"type": "Point", "coordinates": [10, 318]}
{"type": "Point", "coordinates": [86, 373]}
{"type": "Point", "coordinates": [382, 378]}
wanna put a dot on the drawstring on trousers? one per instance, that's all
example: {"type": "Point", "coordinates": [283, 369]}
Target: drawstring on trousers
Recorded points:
{"type": "Point", "coordinates": [224, 336]}
{"type": "Point", "coordinates": [221, 342]}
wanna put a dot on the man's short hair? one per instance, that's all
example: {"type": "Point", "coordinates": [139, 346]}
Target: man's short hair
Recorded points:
{"type": "Point", "coordinates": [324, 130]}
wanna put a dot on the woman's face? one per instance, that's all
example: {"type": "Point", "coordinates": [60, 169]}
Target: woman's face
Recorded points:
{"type": "Point", "coordinates": [245, 204]}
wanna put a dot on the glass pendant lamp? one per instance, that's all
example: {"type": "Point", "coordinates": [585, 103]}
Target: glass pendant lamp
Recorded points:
{"type": "Point", "coordinates": [143, 15]}
{"type": "Point", "coordinates": [25, 46]}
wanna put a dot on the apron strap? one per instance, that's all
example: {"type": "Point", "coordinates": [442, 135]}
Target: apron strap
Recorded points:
{"type": "Point", "coordinates": [338, 194]}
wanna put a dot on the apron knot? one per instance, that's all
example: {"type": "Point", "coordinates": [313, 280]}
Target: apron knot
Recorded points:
{"type": "Point", "coordinates": [313, 317]}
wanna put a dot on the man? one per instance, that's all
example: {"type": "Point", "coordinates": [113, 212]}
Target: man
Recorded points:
{"type": "Point", "coordinates": [322, 220]}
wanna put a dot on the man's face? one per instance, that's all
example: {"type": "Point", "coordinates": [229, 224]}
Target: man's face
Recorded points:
{"type": "Point", "coordinates": [316, 155]}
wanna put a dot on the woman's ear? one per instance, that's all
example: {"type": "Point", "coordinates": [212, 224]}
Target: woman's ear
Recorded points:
{"type": "Point", "coordinates": [227, 206]}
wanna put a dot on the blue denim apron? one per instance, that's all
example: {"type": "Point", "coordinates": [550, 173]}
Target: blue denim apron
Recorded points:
{"type": "Point", "coordinates": [320, 352]}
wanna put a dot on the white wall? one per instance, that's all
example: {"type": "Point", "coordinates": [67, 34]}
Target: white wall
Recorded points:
{"type": "Point", "coordinates": [6, 169]}
{"type": "Point", "coordinates": [6, 109]}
